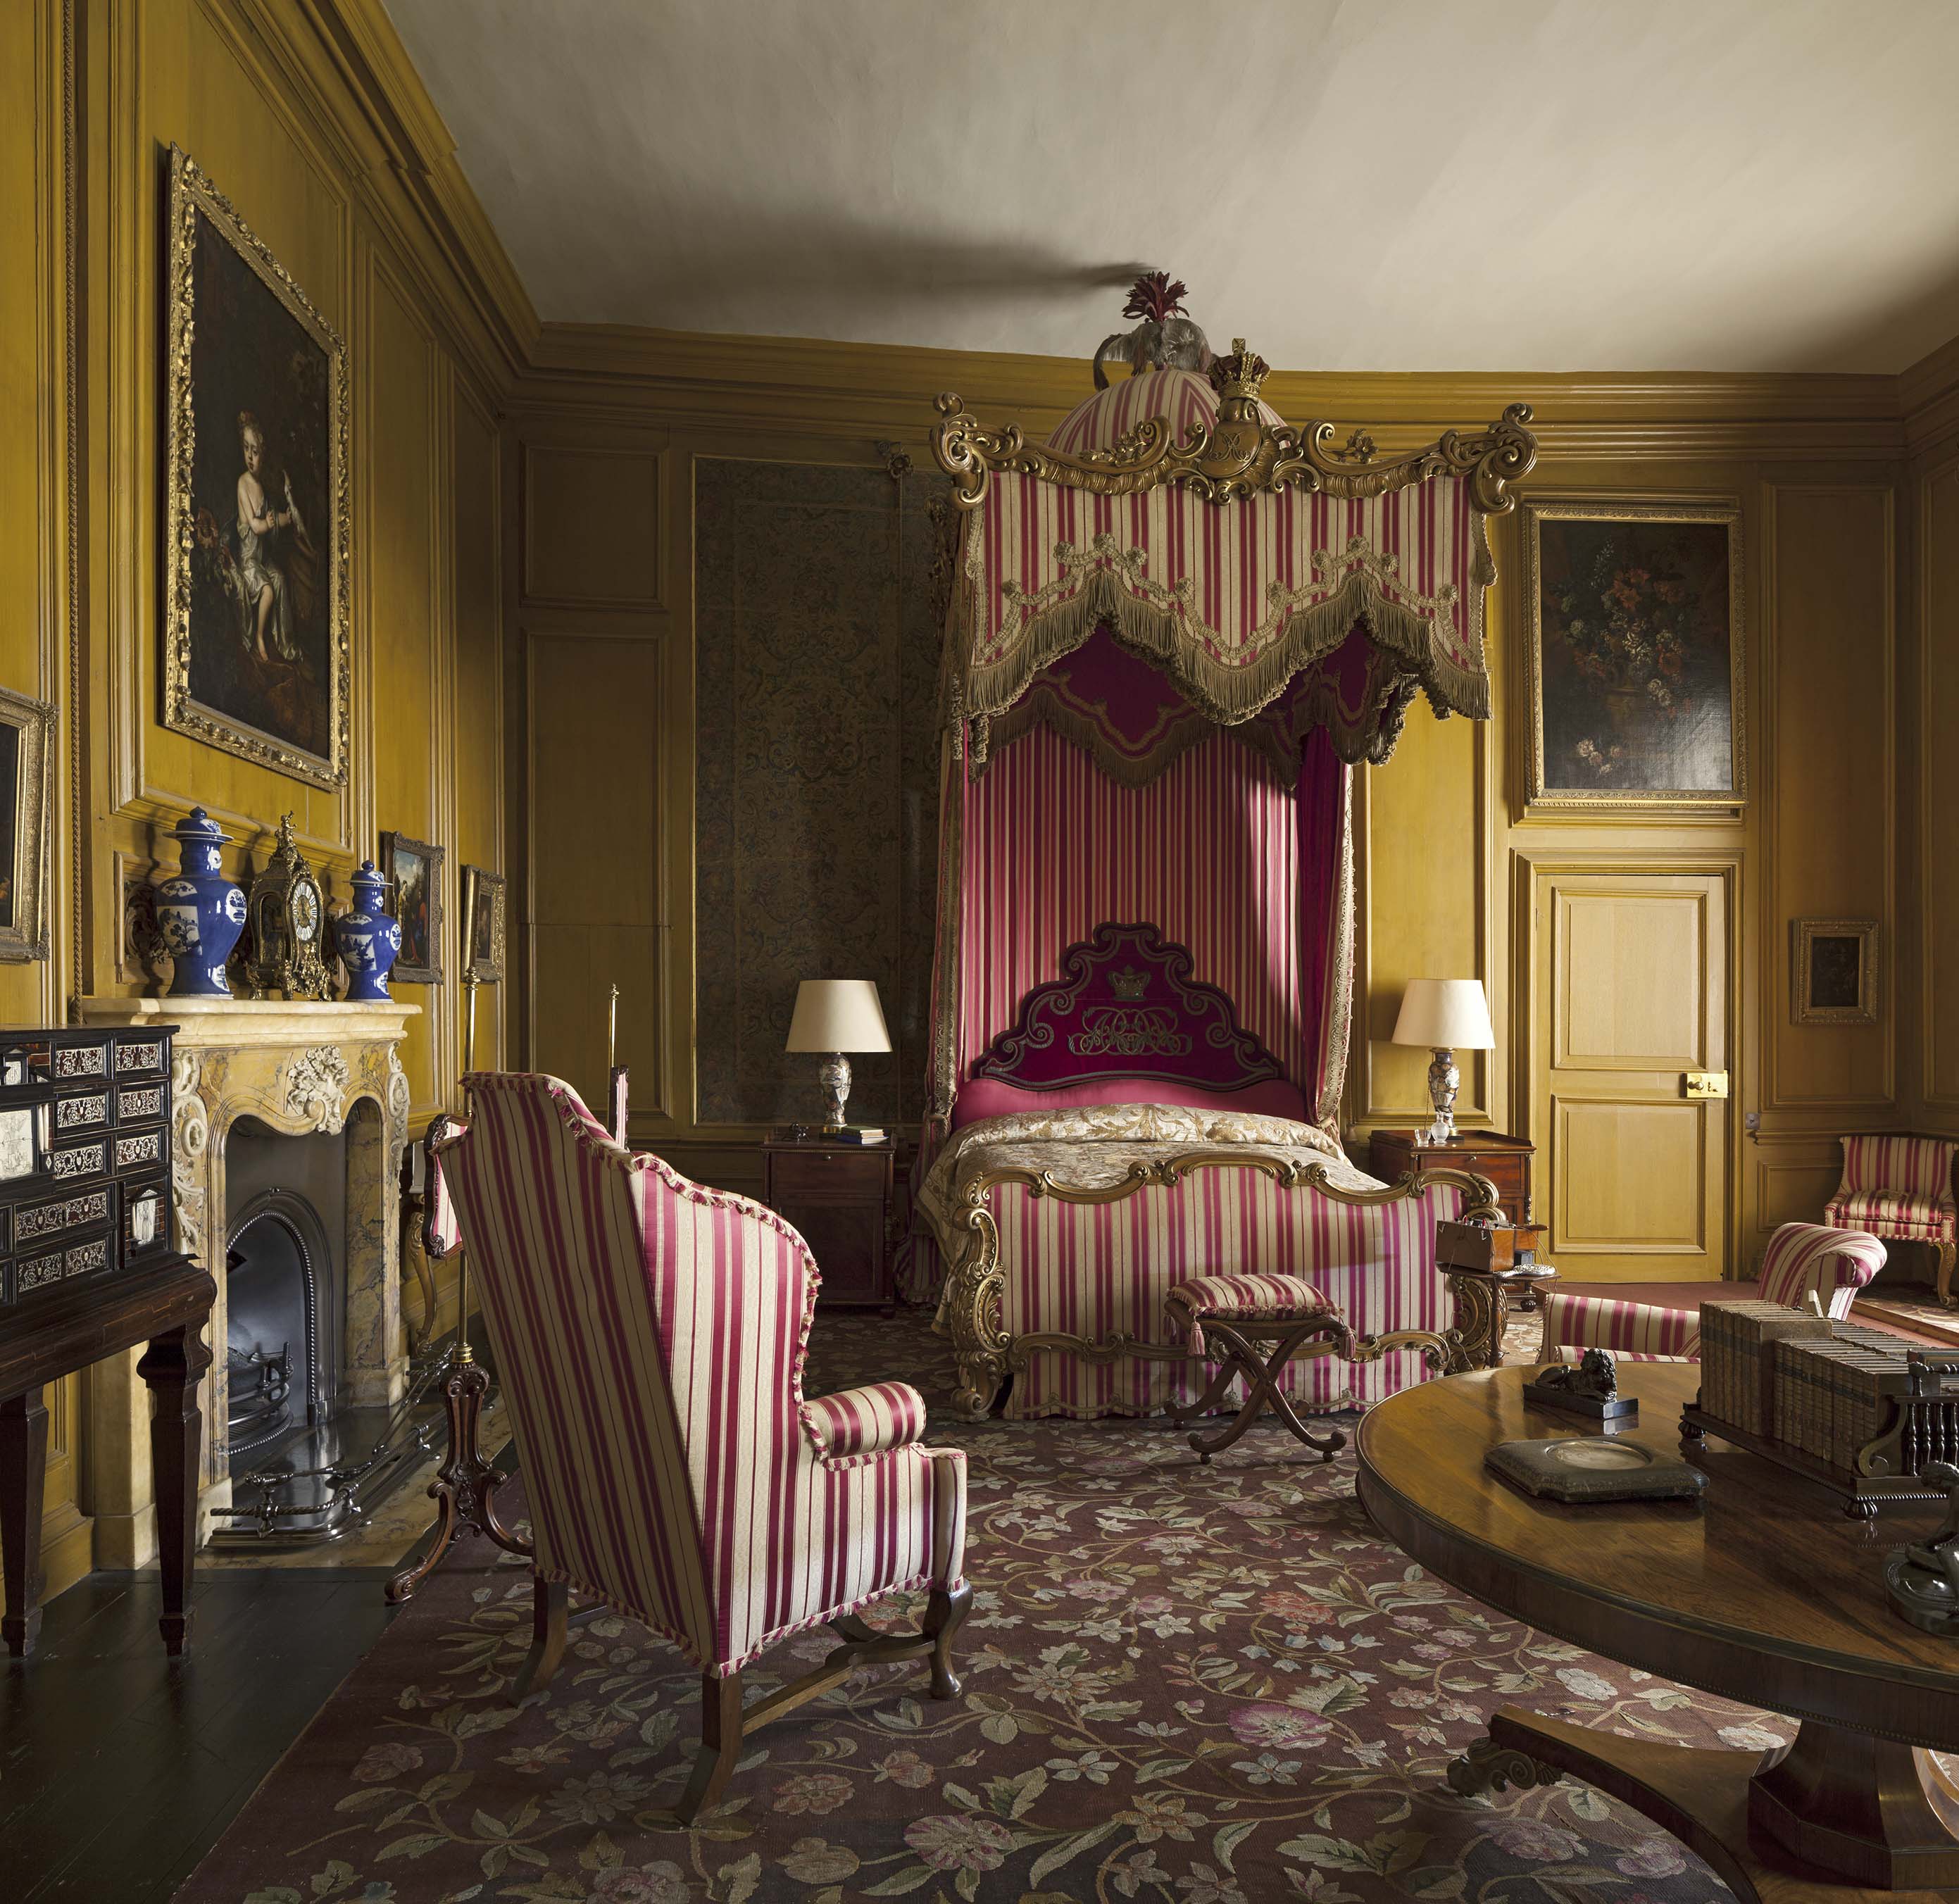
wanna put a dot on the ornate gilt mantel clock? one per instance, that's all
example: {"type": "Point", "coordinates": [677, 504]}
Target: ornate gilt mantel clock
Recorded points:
{"type": "Point", "coordinates": [287, 915]}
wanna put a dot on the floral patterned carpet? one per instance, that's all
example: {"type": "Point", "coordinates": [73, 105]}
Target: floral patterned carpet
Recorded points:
{"type": "Point", "coordinates": [1183, 1685]}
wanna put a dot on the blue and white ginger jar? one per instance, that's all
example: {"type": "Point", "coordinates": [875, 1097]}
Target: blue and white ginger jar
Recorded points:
{"type": "Point", "coordinates": [369, 940]}
{"type": "Point", "coordinates": [200, 913]}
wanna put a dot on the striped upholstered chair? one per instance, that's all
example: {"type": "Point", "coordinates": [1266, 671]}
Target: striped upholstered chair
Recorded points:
{"type": "Point", "coordinates": [649, 1335]}
{"type": "Point", "coordinates": [1900, 1187]}
{"type": "Point", "coordinates": [1801, 1257]}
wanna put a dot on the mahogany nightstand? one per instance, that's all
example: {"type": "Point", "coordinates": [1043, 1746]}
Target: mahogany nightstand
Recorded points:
{"type": "Point", "coordinates": [839, 1197]}
{"type": "Point", "coordinates": [1484, 1300]}
{"type": "Point", "coordinates": [1506, 1161]}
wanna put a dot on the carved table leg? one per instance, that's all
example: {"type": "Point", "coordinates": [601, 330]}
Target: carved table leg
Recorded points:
{"type": "Point", "coordinates": [24, 1468]}
{"type": "Point", "coordinates": [171, 1365]}
{"type": "Point", "coordinates": [464, 1487]}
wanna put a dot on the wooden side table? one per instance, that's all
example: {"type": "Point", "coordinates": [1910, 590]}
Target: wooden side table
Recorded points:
{"type": "Point", "coordinates": [166, 1304]}
{"type": "Point", "coordinates": [839, 1196]}
{"type": "Point", "coordinates": [1505, 1161]}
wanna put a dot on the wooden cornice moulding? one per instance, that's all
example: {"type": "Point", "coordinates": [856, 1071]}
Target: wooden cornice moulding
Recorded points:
{"type": "Point", "coordinates": [345, 54]}
{"type": "Point", "coordinates": [1928, 396]}
{"type": "Point", "coordinates": [826, 387]}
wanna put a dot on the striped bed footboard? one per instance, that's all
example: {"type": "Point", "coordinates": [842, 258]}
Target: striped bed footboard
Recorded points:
{"type": "Point", "coordinates": [1092, 1271]}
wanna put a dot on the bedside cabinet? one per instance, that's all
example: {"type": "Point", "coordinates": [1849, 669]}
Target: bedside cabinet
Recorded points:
{"type": "Point", "coordinates": [1506, 1161]}
{"type": "Point", "coordinates": [839, 1197]}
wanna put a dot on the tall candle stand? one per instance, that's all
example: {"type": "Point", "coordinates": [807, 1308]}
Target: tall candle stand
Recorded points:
{"type": "Point", "coordinates": [465, 1485]}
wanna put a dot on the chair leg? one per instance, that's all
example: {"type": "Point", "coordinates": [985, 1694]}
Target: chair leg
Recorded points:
{"type": "Point", "coordinates": [549, 1602]}
{"type": "Point", "coordinates": [1947, 1252]}
{"type": "Point", "coordinates": [720, 1745]}
{"type": "Point", "coordinates": [847, 1626]}
{"type": "Point", "coordinates": [945, 1614]}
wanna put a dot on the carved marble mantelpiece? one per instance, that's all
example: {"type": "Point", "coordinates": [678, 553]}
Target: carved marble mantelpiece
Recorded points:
{"type": "Point", "coordinates": [297, 1067]}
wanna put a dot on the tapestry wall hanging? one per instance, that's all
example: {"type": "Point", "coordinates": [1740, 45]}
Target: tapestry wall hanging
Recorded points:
{"type": "Point", "coordinates": [1636, 654]}
{"type": "Point", "coordinates": [255, 656]}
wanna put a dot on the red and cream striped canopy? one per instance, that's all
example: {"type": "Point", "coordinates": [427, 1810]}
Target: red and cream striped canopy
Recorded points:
{"type": "Point", "coordinates": [1235, 552]}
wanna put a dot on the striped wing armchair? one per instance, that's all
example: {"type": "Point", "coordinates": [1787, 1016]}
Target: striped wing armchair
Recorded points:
{"type": "Point", "coordinates": [1801, 1257]}
{"type": "Point", "coordinates": [1900, 1187]}
{"type": "Point", "coordinates": [649, 1334]}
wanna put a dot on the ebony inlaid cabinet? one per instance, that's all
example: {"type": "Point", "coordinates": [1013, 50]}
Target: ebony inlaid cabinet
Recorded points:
{"type": "Point", "coordinates": [87, 1268]}
{"type": "Point", "coordinates": [839, 1197]}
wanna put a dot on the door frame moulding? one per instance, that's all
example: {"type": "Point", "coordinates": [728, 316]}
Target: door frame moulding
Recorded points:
{"type": "Point", "coordinates": [1528, 864]}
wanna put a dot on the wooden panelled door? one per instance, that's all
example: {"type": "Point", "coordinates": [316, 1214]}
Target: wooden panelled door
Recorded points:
{"type": "Point", "coordinates": [1630, 1049]}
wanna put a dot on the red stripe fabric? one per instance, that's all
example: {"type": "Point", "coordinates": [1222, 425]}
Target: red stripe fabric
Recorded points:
{"type": "Point", "coordinates": [1097, 1270]}
{"type": "Point", "coordinates": [1641, 1330]}
{"type": "Point", "coordinates": [1834, 1264]}
{"type": "Point", "coordinates": [650, 1337]}
{"type": "Point", "coordinates": [1239, 1298]}
{"type": "Point", "coordinates": [1206, 853]}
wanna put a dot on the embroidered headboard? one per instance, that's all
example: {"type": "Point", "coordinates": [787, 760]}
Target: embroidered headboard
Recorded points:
{"type": "Point", "coordinates": [1125, 1008]}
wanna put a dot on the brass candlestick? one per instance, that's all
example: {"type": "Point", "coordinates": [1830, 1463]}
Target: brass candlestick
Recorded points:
{"type": "Point", "coordinates": [615, 1074]}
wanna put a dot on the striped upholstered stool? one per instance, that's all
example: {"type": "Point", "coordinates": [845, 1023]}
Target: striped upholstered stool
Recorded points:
{"type": "Point", "coordinates": [1224, 1317]}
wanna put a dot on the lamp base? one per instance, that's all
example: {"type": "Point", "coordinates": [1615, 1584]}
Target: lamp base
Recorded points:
{"type": "Point", "coordinates": [1444, 1081]}
{"type": "Point", "coordinates": [834, 1076]}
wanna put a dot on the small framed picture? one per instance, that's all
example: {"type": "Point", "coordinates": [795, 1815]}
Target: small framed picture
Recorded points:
{"type": "Point", "coordinates": [483, 901]}
{"type": "Point", "coordinates": [1833, 975]}
{"type": "Point", "coordinates": [27, 766]}
{"type": "Point", "coordinates": [413, 870]}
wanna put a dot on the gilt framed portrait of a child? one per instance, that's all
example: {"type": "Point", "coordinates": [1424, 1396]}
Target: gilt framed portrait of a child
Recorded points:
{"type": "Point", "coordinates": [255, 622]}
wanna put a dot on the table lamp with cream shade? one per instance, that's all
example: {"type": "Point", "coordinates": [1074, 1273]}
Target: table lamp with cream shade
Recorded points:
{"type": "Point", "coordinates": [837, 1015]}
{"type": "Point", "coordinates": [1447, 1015]}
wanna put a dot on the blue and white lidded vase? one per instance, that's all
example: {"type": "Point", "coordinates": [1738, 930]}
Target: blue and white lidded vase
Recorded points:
{"type": "Point", "coordinates": [369, 940]}
{"type": "Point", "coordinates": [200, 913]}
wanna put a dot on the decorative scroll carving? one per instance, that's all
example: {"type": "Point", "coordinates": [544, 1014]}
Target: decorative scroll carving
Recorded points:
{"type": "Point", "coordinates": [1126, 1006]}
{"type": "Point", "coordinates": [1236, 456]}
{"type": "Point", "coordinates": [315, 1088]}
{"type": "Point", "coordinates": [190, 1137]}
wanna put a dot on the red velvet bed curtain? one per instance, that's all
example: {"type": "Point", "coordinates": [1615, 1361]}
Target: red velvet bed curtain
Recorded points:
{"type": "Point", "coordinates": [1114, 799]}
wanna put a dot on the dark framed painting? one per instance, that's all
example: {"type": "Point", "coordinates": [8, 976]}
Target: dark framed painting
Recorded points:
{"type": "Point", "coordinates": [413, 870]}
{"type": "Point", "coordinates": [255, 656]}
{"type": "Point", "coordinates": [1636, 654]}
{"type": "Point", "coordinates": [483, 916]}
{"type": "Point", "coordinates": [1834, 972]}
{"type": "Point", "coordinates": [27, 793]}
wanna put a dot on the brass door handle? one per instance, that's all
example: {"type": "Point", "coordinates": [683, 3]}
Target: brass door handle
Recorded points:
{"type": "Point", "coordinates": [1705, 1083]}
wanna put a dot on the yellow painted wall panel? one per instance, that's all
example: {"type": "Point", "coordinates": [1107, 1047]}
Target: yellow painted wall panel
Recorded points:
{"type": "Point", "coordinates": [1422, 861]}
{"type": "Point", "coordinates": [1832, 581]}
{"type": "Point", "coordinates": [592, 524]}
{"type": "Point", "coordinates": [1938, 688]}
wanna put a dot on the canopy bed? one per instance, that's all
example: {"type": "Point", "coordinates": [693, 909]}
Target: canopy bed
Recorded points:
{"type": "Point", "coordinates": [1172, 634]}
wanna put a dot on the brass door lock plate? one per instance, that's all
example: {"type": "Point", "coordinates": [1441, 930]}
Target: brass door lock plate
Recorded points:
{"type": "Point", "coordinates": [1705, 1083]}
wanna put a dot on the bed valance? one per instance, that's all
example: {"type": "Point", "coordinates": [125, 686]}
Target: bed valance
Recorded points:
{"type": "Point", "coordinates": [1122, 523]}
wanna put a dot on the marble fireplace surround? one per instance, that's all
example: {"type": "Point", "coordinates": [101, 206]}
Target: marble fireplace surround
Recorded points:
{"type": "Point", "coordinates": [297, 1068]}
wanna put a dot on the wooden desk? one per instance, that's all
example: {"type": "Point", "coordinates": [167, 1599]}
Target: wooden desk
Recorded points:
{"type": "Point", "coordinates": [166, 1304]}
{"type": "Point", "coordinates": [1765, 1594]}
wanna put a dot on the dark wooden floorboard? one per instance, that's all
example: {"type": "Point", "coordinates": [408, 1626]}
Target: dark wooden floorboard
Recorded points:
{"type": "Point", "coordinates": [119, 1767]}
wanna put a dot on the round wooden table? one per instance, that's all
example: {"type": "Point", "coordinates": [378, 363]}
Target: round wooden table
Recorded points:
{"type": "Point", "coordinates": [1762, 1592]}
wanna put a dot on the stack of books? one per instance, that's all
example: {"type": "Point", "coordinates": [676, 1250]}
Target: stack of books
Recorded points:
{"type": "Point", "coordinates": [1738, 1371]}
{"type": "Point", "coordinates": [857, 1133]}
{"type": "Point", "coordinates": [1831, 1395]}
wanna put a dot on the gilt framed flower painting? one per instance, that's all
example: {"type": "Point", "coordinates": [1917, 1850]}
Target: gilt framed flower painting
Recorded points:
{"type": "Point", "coordinates": [1636, 655]}
{"type": "Point", "coordinates": [256, 555]}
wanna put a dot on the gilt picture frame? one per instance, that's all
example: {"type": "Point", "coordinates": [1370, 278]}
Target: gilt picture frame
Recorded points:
{"type": "Point", "coordinates": [1637, 656]}
{"type": "Point", "coordinates": [413, 871]}
{"type": "Point", "coordinates": [27, 799]}
{"type": "Point", "coordinates": [255, 656]}
{"type": "Point", "coordinates": [1832, 977]}
{"type": "Point", "coordinates": [483, 924]}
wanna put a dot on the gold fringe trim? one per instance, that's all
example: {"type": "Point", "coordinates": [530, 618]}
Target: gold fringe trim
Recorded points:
{"type": "Point", "coordinates": [1228, 696]}
{"type": "Point", "coordinates": [1035, 709]}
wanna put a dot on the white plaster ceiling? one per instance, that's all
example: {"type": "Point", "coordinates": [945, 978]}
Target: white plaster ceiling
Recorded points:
{"type": "Point", "coordinates": [1401, 185]}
